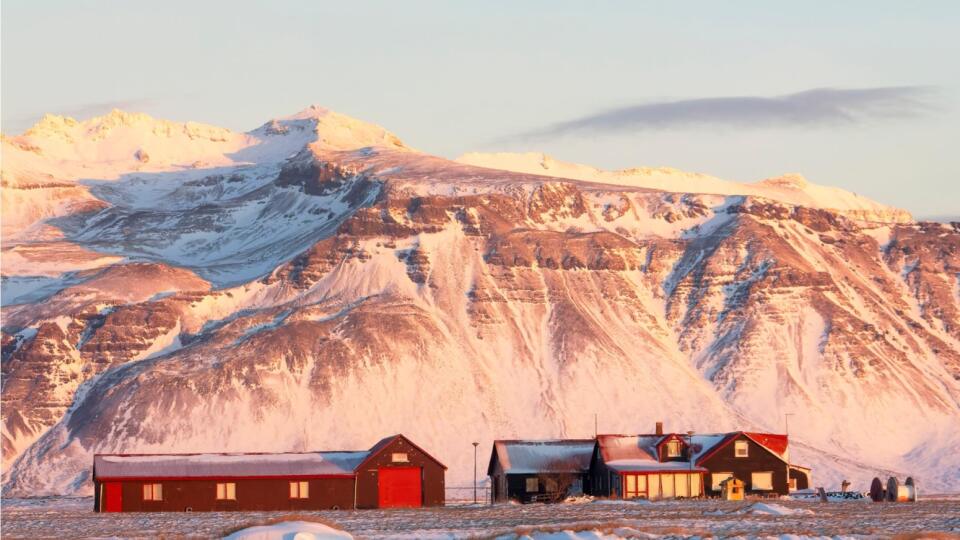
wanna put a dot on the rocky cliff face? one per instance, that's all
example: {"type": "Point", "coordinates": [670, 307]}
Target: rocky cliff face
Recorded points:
{"type": "Point", "coordinates": [323, 284]}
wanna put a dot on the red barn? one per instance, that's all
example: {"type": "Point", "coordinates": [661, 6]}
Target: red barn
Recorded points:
{"type": "Point", "coordinates": [394, 473]}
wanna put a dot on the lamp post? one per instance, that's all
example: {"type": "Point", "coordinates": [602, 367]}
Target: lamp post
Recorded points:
{"type": "Point", "coordinates": [690, 463]}
{"type": "Point", "coordinates": [475, 445]}
{"type": "Point", "coordinates": [786, 428]}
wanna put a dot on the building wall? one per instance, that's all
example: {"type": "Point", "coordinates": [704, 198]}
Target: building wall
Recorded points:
{"type": "Point", "coordinates": [759, 459]}
{"type": "Point", "coordinates": [516, 486]}
{"type": "Point", "coordinates": [432, 474]}
{"type": "Point", "coordinates": [251, 494]}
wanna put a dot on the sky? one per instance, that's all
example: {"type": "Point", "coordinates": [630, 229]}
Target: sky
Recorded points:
{"type": "Point", "coordinates": [860, 95]}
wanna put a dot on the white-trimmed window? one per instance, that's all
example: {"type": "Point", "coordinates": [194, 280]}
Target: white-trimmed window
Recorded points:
{"type": "Point", "coordinates": [741, 449]}
{"type": "Point", "coordinates": [533, 485]}
{"type": "Point", "coordinates": [761, 481]}
{"type": "Point", "coordinates": [400, 457]}
{"type": "Point", "coordinates": [718, 477]}
{"type": "Point", "coordinates": [226, 491]}
{"type": "Point", "coordinates": [153, 492]}
{"type": "Point", "coordinates": [674, 448]}
{"type": "Point", "coordinates": [300, 490]}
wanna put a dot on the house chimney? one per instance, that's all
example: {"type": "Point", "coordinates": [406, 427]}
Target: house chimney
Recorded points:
{"type": "Point", "coordinates": [659, 428]}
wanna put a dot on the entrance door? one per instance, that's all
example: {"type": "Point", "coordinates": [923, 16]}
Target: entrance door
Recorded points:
{"type": "Point", "coordinates": [113, 497]}
{"type": "Point", "coordinates": [399, 487]}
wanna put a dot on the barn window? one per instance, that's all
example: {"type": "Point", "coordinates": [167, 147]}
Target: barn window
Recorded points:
{"type": "Point", "coordinates": [716, 478]}
{"type": "Point", "coordinates": [299, 490]}
{"type": "Point", "coordinates": [673, 448]}
{"type": "Point", "coordinates": [227, 491]}
{"type": "Point", "coordinates": [761, 481]}
{"type": "Point", "coordinates": [400, 457]}
{"type": "Point", "coordinates": [533, 485]}
{"type": "Point", "coordinates": [153, 492]}
{"type": "Point", "coordinates": [741, 449]}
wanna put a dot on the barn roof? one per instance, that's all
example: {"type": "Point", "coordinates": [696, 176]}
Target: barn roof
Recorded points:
{"type": "Point", "coordinates": [382, 443]}
{"type": "Point", "coordinates": [226, 465]}
{"type": "Point", "coordinates": [543, 456]}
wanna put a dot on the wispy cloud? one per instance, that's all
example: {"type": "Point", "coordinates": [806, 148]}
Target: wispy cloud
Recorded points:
{"type": "Point", "coordinates": [816, 107]}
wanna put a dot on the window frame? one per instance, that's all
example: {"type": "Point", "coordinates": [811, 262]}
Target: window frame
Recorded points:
{"type": "Point", "coordinates": [152, 491]}
{"type": "Point", "coordinates": [674, 444]}
{"type": "Point", "coordinates": [536, 485]}
{"type": "Point", "coordinates": [714, 485]}
{"type": "Point", "coordinates": [753, 484]}
{"type": "Point", "coordinates": [741, 445]}
{"type": "Point", "coordinates": [227, 487]}
{"type": "Point", "coordinates": [299, 489]}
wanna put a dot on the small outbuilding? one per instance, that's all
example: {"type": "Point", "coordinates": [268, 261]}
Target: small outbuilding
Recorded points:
{"type": "Point", "coordinates": [731, 489]}
{"type": "Point", "coordinates": [394, 473]}
{"type": "Point", "coordinates": [539, 470]}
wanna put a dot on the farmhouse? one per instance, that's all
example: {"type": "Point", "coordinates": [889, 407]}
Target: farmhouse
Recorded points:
{"type": "Point", "coordinates": [394, 473]}
{"type": "Point", "coordinates": [644, 466]}
{"type": "Point", "coordinates": [534, 471]}
{"type": "Point", "coordinates": [666, 465]}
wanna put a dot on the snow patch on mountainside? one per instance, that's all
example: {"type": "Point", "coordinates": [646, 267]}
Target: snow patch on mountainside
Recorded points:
{"type": "Point", "coordinates": [790, 188]}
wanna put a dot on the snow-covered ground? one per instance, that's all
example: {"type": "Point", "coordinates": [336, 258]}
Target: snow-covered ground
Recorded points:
{"type": "Point", "coordinates": [73, 518]}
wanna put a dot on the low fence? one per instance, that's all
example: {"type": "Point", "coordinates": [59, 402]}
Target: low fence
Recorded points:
{"type": "Point", "coordinates": [465, 494]}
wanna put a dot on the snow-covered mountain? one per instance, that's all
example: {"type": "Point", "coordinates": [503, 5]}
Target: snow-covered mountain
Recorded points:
{"type": "Point", "coordinates": [315, 283]}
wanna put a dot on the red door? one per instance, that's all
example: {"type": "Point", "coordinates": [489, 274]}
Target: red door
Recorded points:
{"type": "Point", "coordinates": [113, 497]}
{"type": "Point", "coordinates": [399, 487]}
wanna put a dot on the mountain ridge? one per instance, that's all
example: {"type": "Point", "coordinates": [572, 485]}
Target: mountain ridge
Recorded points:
{"type": "Point", "coordinates": [310, 295]}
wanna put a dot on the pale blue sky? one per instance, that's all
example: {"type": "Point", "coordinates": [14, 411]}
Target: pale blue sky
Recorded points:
{"type": "Point", "coordinates": [451, 77]}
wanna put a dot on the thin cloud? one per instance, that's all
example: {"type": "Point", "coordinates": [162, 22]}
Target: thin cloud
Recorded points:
{"type": "Point", "coordinates": [816, 107]}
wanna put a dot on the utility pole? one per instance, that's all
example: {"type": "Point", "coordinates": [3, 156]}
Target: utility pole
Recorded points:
{"type": "Point", "coordinates": [475, 445]}
{"type": "Point", "coordinates": [690, 462]}
{"type": "Point", "coordinates": [786, 428]}
{"type": "Point", "coordinates": [596, 431]}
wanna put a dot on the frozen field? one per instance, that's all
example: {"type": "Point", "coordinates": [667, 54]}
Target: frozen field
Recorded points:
{"type": "Point", "coordinates": [72, 518]}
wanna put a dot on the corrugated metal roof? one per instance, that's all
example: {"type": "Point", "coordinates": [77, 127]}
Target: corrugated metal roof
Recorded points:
{"type": "Point", "coordinates": [550, 456]}
{"type": "Point", "coordinates": [225, 465]}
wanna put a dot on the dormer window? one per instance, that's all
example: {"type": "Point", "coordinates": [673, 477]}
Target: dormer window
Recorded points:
{"type": "Point", "coordinates": [740, 449]}
{"type": "Point", "coordinates": [674, 449]}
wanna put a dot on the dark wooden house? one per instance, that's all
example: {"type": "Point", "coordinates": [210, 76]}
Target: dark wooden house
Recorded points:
{"type": "Point", "coordinates": [758, 459]}
{"type": "Point", "coordinates": [394, 473]}
{"type": "Point", "coordinates": [539, 471]}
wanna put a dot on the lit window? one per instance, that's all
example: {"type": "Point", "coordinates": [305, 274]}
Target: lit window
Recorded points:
{"type": "Point", "coordinates": [533, 485]}
{"type": "Point", "coordinates": [761, 481]}
{"type": "Point", "coordinates": [153, 492]}
{"type": "Point", "coordinates": [740, 449]}
{"type": "Point", "coordinates": [299, 490]}
{"type": "Point", "coordinates": [400, 457]}
{"type": "Point", "coordinates": [673, 448]}
{"type": "Point", "coordinates": [551, 485]}
{"type": "Point", "coordinates": [716, 478]}
{"type": "Point", "coordinates": [227, 491]}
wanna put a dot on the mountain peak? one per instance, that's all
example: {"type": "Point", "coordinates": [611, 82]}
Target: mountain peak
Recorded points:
{"type": "Point", "coordinates": [334, 131]}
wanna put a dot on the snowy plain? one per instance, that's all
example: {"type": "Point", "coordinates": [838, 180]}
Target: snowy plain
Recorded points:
{"type": "Point", "coordinates": [935, 517]}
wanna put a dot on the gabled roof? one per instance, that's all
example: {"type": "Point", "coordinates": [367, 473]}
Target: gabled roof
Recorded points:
{"type": "Point", "coordinates": [239, 465]}
{"type": "Point", "coordinates": [774, 443]}
{"type": "Point", "coordinates": [382, 443]}
{"type": "Point", "coordinates": [226, 465]}
{"type": "Point", "coordinates": [626, 453]}
{"type": "Point", "coordinates": [542, 456]}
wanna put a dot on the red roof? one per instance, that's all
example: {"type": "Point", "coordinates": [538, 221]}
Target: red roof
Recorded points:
{"type": "Point", "coordinates": [773, 442]}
